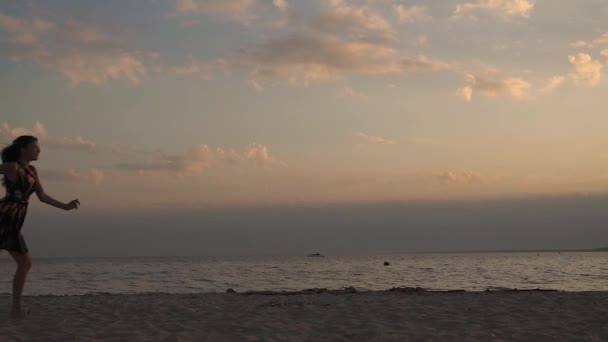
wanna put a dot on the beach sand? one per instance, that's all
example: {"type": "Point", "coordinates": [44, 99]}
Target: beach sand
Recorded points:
{"type": "Point", "coordinates": [362, 316]}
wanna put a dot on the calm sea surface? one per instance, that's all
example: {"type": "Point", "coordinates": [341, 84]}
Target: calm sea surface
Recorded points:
{"type": "Point", "coordinates": [586, 271]}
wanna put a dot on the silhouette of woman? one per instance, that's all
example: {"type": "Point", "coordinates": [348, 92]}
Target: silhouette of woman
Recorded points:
{"type": "Point", "coordinates": [21, 180]}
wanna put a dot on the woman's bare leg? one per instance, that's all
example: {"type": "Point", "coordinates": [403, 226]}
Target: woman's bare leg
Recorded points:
{"type": "Point", "coordinates": [24, 264]}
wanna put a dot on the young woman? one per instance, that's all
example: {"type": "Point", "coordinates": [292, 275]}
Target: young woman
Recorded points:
{"type": "Point", "coordinates": [21, 180]}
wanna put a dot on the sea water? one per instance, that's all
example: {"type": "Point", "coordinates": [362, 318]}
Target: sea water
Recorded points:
{"type": "Point", "coordinates": [569, 271]}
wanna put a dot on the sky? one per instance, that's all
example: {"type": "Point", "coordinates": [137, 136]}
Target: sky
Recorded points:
{"type": "Point", "coordinates": [172, 108]}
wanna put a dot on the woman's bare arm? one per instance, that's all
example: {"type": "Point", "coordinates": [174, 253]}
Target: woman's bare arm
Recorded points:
{"type": "Point", "coordinates": [46, 199]}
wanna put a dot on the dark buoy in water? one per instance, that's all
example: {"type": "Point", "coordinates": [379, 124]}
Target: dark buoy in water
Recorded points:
{"type": "Point", "coordinates": [386, 263]}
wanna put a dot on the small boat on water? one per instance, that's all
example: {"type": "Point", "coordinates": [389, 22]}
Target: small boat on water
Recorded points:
{"type": "Point", "coordinates": [316, 255]}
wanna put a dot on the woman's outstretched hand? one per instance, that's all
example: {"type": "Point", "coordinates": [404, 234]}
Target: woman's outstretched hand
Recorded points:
{"type": "Point", "coordinates": [72, 204]}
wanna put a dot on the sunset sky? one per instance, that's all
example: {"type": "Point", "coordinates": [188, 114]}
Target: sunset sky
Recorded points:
{"type": "Point", "coordinates": [197, 103]}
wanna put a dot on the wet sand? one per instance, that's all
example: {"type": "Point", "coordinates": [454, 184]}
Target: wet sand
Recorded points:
{"type": "Point", "coordinates": [407, 315]}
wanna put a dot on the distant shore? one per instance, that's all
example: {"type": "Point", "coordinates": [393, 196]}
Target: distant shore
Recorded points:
{"type": "Point", "coordinates": [314, 315]}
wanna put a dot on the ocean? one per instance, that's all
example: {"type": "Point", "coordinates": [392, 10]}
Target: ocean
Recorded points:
{"type": "Point", "coordinates": [568, 271]}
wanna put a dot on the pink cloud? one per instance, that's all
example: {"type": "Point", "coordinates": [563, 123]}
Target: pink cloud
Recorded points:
{"type": "Point", "coordinates": [81, 52]}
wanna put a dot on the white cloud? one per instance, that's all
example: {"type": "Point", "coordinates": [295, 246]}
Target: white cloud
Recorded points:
{"type": "Point", "coordinates": [81, 52]}
{"type": "Point", "coordinates": [466, 92]}
{"type": "Point", "coordinates": [374, 139]}
{"type": "Point", "coordinates": [238, 10]}
{"type": "Point", "coordinates": [201, 157]}
{"type": "Point", "coordinates": [414, 13]}
{"type": "Point", "coordinates": [343, 18]}
{"type": "Point", "coordinates": [80, 67]}
{"type": "Point", "coordinates": [350, 93]}
{"type": "Point", "coordinates": [24, 32]}
{"type": "Point", "coordinates": [463, 177]}
{"type": "Point", "coordinates": [258, 153]}
{"type": "Point", "coordinates": [513, 87]}
{"type": "Point", "coordinates": [40, 131]}
{"type": "Point", "coordinates": [202, 68]}
{"type": "Point", "coordinates": [303, 59]}
{"type": "Point", "coordinates": [344, 40]}
{"type": "Point", "coordinates": [600, 41]}
{"type": "Point", "coordinates": [8, 133]}
{"type": "Point", "coordinates": [94, 176]}
{"type": "Point", "coordinates": [553, 83]}
{"type": "Point", "coordinates": [76, 143]}
{"type": "Point", "coordinates": [581, 44]}
{"type": "Point", "coordinates": [504, 8]}
{"type": "Point", "coordinates": [257, 86]}
{"type": "Point", "coordinates": [281, 5]}
{"type": "Point", "coordinates": [587, 71]}
{"type": "Point", "coordinates": [421, 40]}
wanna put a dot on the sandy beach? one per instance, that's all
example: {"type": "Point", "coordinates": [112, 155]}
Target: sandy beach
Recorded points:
{"type": "Point", "coordinates": [360, 316]}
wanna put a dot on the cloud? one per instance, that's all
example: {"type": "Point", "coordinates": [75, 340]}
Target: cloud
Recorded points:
{"type": "Point", "coordinates": [307, 58]}
{"type": "Point", "coordinates": [513, 87]}
{"type": "Point", "coordinates": [120, 149]}
{"type": "Point", "coordinates": [374, 139]}
{"type": "Point", "coordinates": [80, 67]}
{"type": "Point", "coordinates": [202, 157]}
{"type": "Point", "coordinates": [463, 177]}
{"type": "Point", "coordinates": [283, 7]}
{"type": "Point", "coordinates": [40, 131]}
{"type": "Point", "coordinates": [81, 52]}
{"type": "Point", "coordinates": [341, 17]}
{"type": "Point", "coordinates": [466, 92]}
{"type": "Point", "coordinates": [414, 13]}
{"type": "Point", "coordinates": [344, 40]}
{"type": "Point", "coordinates": [581, 44]}
{"type": "Point", "coordinates": [553, 83]}
{"type": "Point", "coordinates": [94, 176]}
{"type": "Point", "coordinates": [350, 93]}
{"type": "Point", "coordinates": [604, 52]}
{"type": "Point", "coordinates": [506, 8]}
{"type": "Point", "coordinates": [258, 153]}
{"type": "Point", "coordinates": [257, 86]}
{"type": "Point", "coordinates": [8, 133]}
{"type": "Point", "coordinates": [202, 68]}
{"type": "Point", "coordinates": [600, 41]}
{"type": "Point", "coordinates": [587, 71]}
{"type": "Point", "coordinates": [76, 143]}
{"type": "Point", "coordinates": [23, 32]}
{"type": "Point", "coordinates": [238, 10]}
{"type": "Point", "coordinates": [421, 40]}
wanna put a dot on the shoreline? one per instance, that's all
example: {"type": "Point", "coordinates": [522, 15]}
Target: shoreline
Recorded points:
{"type": "Point", "coordinates": [315, 291]}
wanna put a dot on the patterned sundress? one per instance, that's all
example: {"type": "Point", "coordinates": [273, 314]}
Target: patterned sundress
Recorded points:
{"type": "Point", "coordinates": [13, 209]}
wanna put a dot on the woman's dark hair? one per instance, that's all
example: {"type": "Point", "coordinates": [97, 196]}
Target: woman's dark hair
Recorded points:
{"type": "Point", "coordinates": [12, 152]}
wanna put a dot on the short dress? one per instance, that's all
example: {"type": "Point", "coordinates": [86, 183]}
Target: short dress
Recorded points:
{"type": "Point", "coordinates": [13, 209]}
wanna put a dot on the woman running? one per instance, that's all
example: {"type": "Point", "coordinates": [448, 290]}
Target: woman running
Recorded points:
{"type": "Point", "coordinates": [21, 180]}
